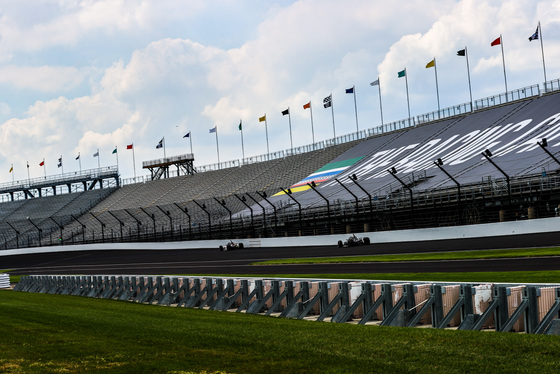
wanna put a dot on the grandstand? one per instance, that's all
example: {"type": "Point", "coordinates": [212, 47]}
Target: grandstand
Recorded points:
{"type": "Point", "coordinates": [494, 164]}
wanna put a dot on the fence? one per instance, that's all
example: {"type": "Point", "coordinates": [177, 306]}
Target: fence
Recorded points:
{"type": "Point", "coordinates": [503, 308]}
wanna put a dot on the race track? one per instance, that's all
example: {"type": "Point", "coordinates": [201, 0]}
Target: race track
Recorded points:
{"type": "Point", "coordinates": [214, 262]}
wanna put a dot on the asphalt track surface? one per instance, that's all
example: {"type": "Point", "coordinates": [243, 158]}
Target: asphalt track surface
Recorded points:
{"type": "Point", "coordinates": [214, 262]}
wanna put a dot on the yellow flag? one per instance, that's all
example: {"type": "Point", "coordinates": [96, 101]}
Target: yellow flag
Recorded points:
{"type": "Point", "coordinates": [263, 118]}
{"type": "Point", "coordinates": [431, 64]}
{"type": "Point", "coordinates": [11, 169]}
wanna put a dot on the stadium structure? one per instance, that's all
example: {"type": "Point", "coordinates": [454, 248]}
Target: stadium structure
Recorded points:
{"type": "Point", "coordinates": [491, 160]}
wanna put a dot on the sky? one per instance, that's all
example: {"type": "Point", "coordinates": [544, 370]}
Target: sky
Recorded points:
{"type": "Point", "coordinates": [81, 76]}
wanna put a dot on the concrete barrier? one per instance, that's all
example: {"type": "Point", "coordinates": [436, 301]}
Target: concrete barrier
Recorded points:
{"type": "Point", "coordinates": [527, 308]}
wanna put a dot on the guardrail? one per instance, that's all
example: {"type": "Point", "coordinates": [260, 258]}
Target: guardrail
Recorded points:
{"type": "Point", "coordinates": [497, 307]}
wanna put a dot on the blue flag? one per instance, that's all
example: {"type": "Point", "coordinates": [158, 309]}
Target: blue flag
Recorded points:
{"type": "Point", "coordinates": [535, 35]}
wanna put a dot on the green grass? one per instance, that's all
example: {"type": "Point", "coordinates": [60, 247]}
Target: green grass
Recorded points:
{"type": "Point", "coordinates": [545, 276]}
{"type": "Point", "coordinates": [67, 334]}
{"type": "Point", "coordinates": [435, 256]}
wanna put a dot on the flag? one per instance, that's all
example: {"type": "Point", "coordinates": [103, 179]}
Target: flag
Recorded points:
{"type": "Point", "coordinates": [350, 90]}
{"type": "Point", "coordinates": [42, 163]}
{"type": "Point", "coordinates": [263, 118]}
{"type": "Point", "coordinates": [60, 160]}
{"type": "Point", "coordinates": [187, 135]}
{"type": "Point", "coordinates": [78, 157]}
{"type": "Point", "coordinates": [96, 154]}
{"type": "Point", "coordinates": [461, 52]}
{"type": "Point", "coordinates": [287, 111]}
{"type": "Point", "coordinates": [12, 168]}
{"type": "Point", "coordinates": [401, 73]}
{"type": "Point", "coordinates": [240, 126]}
{"type": "Point", "coordinates": [307, 106]}
{"type": "Point", "coordinates": [160, 144]}
{"type": "Point", "coordinates": [327, 101]}
{"type": "Point", "coordinates": [213, 130]}
{"type": "Point", "coordinates": [497, 41]}
{"type": "Point", "coordinates": [535, 35]}
{"type": "Point", "coordinates": [59, 164]}
{"type": "Point", "coordinates": [431, 64]}
{"type": "Point", "coordinates": [128, 146]}
{"type": "Point", "coordinates": [375, 82]}
{"type": "Point", "coordinates": [114, 151]}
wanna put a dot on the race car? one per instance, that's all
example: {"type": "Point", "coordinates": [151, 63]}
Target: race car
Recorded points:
{"type": "Point", "coordinates": [353, 241]}
{"type": "Point", "coordinates": [231, 246]}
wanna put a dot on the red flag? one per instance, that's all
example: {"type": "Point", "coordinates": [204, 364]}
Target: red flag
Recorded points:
{"type": "Point", "coordinates": [307, 106]}
{"type": "Point", "coordinates": [129, 146]}
{"type": "Point", "coordinates": [42, 163]}
{"type": "Point", "coordinates": [498, 41]}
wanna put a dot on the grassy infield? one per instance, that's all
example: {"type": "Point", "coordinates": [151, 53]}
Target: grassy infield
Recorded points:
{"type": "Point", "coordinates": [66, 334]}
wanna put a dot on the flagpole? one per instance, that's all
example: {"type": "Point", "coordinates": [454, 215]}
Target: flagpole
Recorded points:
{"type": "Point", "coordinates": [164, 152]}
{"type": "Point", "coordinates": [380, 104]}
{"type": "Point", "coordinates": [437, 88]}
{"type": "Point", "coordinates": [312, 130]}
{"type": "Point", "coordinates": [542, 52]}
{"type": "Point", "coordinates": [332, 112]}
{"type": "Point", "coordinates": [504, 64]}
{"type": "Point", "coordinates": [117, 156]}
{"type": "Point", "coordinates": [469, 77]}
{"type": "Point", "coordinates": [290, 124]}
{"type": "Point", "coordinates": [13, 177]}
{"type": "Point", "coordinates": [217, 146]}
{"type": "Point", "coordinates": [407, 97]}
{"type": "Point", "coordinates": [98, 161]}
{"type": "Point", "coordinates": [61, 165]}
{"type": "Point", "coordinates": [133, 162]}
{"type": "Point", "coordinates": [28, 177]}
{"type": "Point", "coordinates": [242, 145]}
{"type": "Point", "coordinates": [266, 131]}
{"type": "Point", "coordinates": [190, 141]}
{"type": "Point", "coordinates": [355, 108]}
{"type": "Point", "coordinates": [80, 162]}
{"type": "Point", "coordinates": [44, 168]}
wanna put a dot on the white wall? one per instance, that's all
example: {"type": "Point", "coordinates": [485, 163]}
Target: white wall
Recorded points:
{"type": "Point", "coordinates": [534, 226]}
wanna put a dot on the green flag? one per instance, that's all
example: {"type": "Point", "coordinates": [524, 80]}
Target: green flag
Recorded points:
{"type": "Point", "coordinates": [402, 73]}
{"type": "Point", "coordinates": [115, 151]}
{"type": "Point", "coordinates": [240, 126]}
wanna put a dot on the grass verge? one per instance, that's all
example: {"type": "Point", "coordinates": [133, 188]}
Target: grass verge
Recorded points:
{"type": "Point", "coordinates": [548, 276]}
{"type": "Point", "coordinates": [436, 256]}
{"type": "Point", "coordinates": [54, 333]}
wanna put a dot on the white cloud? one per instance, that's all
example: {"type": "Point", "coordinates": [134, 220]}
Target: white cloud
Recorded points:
{"type": "Point", "coordinates": [43, 78]}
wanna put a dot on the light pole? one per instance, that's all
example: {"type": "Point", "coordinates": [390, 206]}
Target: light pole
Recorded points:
{"type": "Point", "coordinates": [39, 230]}
{"type": "Point", "coordinates": [350, 192]}
{"type": "Point", "coordinates": [354, 179]}
{"type": "Point", "coordinates": [166, 212]}
{"type": "Point", "coordinates": [243, 199]}
{"type": "Point", "coordinates": [203, 207]}
{"type": "Point", "coordinates": [223, 203]}
{"type": "Point", "coordinates": [543, 144]}
{"type": "Point", "coordinates": [314, 187]}
{"type": "Point", "coordinates": [265, 197]}
{"type": "Point", "coordinates": [153, 218]}
{"type": "Point", "coordinates": [289, 194]}
{"type": "Point", "coordinates": [393, 172]}
{"type": "Point", "coordinates": [439, 164]}
{"type": "Point", "coordinates": [186, 211]}
{"type": "Point", "coordinates": [138, 223]}
{"type": "Point", "coordinates": [102, 227]}
{"type": "Point", "coordinates": [487, 154]}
